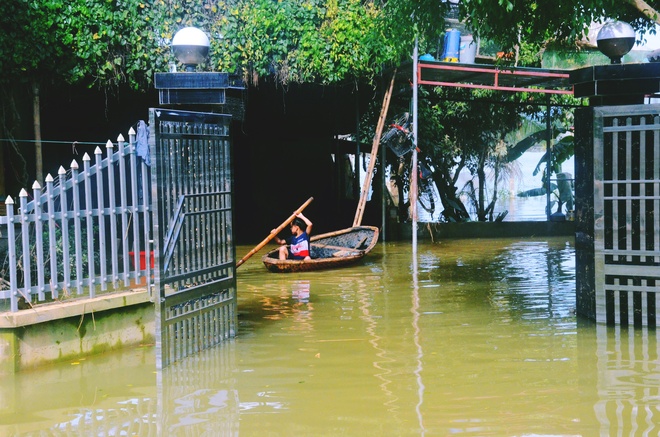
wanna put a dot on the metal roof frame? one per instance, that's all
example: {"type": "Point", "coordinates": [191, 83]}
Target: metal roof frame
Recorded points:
{"type": "Point", "coordinates": [478, 76]}
{"type": "Point", "coordinates": [493, 77]}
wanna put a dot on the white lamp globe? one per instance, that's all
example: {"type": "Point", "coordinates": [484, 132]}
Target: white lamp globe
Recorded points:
{"type": "Point", "coordinates": [615, 39]}
{"type": "Point", "coordinates": [190, 46]}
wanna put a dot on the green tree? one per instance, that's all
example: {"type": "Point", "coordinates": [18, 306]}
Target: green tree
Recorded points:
{"type": "Point", "coordinates": [57, 41]}
{"type": "Point", "coordinates": [474, 126]}
{"type": "Point", "coordinates": [511, 22]}
{"type": "Point", "coordinates": [324, 41]}
{"type": "Point", "coordinates": [109, 43]}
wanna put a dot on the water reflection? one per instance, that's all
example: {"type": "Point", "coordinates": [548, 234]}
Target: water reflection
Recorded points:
{"type": "Point", "coordinates": [474, 337]}
{"type": "Point", "coordinates": [628, 381]}
{"type": "Point", "coordinates": [417, 341]}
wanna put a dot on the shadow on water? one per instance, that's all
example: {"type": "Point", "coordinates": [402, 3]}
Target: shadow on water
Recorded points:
{"type": "Point", "coordinates": [474, 337]}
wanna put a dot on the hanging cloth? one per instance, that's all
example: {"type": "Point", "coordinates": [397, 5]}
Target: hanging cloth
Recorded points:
{"type": "Point", "coordinates": [142, 147]}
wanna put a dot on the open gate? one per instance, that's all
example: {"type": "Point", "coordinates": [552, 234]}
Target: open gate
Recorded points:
{"type": "Point", "coordinates": [194, 274]}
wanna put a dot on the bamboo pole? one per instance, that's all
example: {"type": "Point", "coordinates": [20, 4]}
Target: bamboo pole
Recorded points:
{"type": "Point", "coordinates": [374, 153]}
{"type": "Point", "coordinates": [276, 231]}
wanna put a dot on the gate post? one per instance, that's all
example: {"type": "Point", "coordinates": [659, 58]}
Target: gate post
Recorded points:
{"type": "Point", "coordinates": [584, 214]}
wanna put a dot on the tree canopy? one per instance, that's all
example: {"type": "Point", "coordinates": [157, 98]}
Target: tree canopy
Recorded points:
{"type": "Point", "coordinates": [107, 43]}
{"type": "Point", "coordinates": [509, 22]}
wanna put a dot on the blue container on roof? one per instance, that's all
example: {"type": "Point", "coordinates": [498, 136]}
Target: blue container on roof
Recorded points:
{"type": "Point", "coordinates": [452, 45]}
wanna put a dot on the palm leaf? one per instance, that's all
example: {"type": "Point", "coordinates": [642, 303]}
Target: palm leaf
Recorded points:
{"type": "Point", "coordinates": [529, 141]}
{"type": "Point", "coordinates": [562, 150]}
{"type": "Point", "coordinates": [534, 192]}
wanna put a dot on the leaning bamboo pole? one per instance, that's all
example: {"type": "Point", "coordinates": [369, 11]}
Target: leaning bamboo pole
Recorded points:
{"type": "Point", "coordinates": [374, 153]}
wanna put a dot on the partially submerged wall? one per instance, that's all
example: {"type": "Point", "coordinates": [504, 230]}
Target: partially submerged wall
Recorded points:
{"type": "Point", "coordinates": [433, 231]}
{"type": "Point", "coordinates": [70, 330]}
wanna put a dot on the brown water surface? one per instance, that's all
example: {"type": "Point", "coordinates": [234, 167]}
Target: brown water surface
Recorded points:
{"type": "Point", "coordinates": [474, 338]}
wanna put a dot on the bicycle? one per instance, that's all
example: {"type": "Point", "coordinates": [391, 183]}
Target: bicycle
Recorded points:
{"type": "Point", "coordinates": [399, 136]}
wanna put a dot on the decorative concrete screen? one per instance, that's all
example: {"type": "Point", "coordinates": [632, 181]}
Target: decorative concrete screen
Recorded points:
{"type": "Point", "coordinates": [195, 273]}
{"type": "Point", "coordinates": [627, 214]}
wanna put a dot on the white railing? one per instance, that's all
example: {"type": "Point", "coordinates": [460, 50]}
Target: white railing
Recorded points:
{"type": "Point", "coordinates": [87, 232]}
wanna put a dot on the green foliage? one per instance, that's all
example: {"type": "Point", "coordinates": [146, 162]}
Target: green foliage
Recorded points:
{"type": "Point", "coordinates": [107, 43]}
{"type": "Point", "coordinates": [509, 23]}
{"type": "Point", "coordinates": [314, 40]}
{"type": "Point", "coordinates": [30, 40]}
{"type": "Point", "coordinates": [562, 150]}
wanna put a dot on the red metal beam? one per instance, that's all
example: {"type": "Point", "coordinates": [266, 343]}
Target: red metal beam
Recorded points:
{"type": "Point", "coordinates": [494, 73]}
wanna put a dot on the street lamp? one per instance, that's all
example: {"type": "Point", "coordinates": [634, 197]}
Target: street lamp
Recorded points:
{"type": "Point", "coordinates": [615, 39]}
{"type": "Point", "coordinates": [191, 47]}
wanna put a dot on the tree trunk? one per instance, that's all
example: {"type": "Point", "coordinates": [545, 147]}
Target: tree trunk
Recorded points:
{"type": "Point", "coordinates": [37, 133]}
{"type": "Point", "coordinates": [481, 179]}
{"type": "Point", "coordinates": [454, 210]}
{"type": "Point", "coordinates": [402, 207]}
{"type": "Point", "coordinates": [490, 209]}
{"type": "Point", "coordinates": [645, 9]}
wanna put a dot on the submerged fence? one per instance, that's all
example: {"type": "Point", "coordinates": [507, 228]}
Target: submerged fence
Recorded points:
{"type": "Point", "coordinates": [85, 233]}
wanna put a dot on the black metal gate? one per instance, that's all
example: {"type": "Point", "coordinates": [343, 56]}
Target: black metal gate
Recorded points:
{"type": "Point", "coordinates": [194, 274]}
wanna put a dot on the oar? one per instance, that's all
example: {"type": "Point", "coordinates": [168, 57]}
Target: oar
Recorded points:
{"type": "Point", "coordinates": [274, 232]}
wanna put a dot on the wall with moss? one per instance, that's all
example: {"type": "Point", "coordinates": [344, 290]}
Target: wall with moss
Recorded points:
{"type": "Point", "coordinates": [30, 345]}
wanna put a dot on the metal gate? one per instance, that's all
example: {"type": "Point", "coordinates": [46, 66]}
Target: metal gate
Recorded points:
{"type": "Point", "coordinates": [627, 214]}
{"type": "Point", "coordinates": [194, 275]}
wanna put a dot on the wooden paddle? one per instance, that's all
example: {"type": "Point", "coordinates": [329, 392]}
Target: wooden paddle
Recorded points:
{"type": "Point", "coordinates": [274, 232]}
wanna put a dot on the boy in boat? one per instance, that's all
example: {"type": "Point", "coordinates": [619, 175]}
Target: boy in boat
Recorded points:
{"type": "Point", "coordinates": [298, 242]}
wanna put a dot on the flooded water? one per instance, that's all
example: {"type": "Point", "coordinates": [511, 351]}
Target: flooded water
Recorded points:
{"type": "Point", "coordinates": [474, 338]}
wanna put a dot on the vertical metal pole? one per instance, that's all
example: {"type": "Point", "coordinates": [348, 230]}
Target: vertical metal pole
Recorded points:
{"type": "Point", "coordinates": [356, 182]}
{"type": "Point", "coordinates": [548, 148]}
{"type": "Point", "coordinates": [413, 176]}
{"type": "Point", "coordinates": [383, 193]}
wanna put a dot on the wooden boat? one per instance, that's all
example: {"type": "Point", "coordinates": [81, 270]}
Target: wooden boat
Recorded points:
{"type": "Point", "coordinates": [331, 250]}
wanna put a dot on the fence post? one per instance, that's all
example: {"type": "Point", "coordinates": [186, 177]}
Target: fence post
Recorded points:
{"type": "Point", "coordinates": [25, 240]}
{"type": "Point", "coordinates": [135, 222]}
{"type": "Point", "coordinates": [91, 271]}
{"type": "Point", "coordinates": [11, 239]}
{"type": "Point", "coordinates": [77, 232]}
{"type": "Point", "coordinates": [39, 237]}
{"type": "Point", "coordinates": [52, 243]}
{"type": "Point", "coordinates": [121, 152]}
{"type": "Point", "coordinates": [101, 216]}
{"type": "Point", "coordinates": [113, 214]}
{"type": "Point", "coordinates": [61, 173]}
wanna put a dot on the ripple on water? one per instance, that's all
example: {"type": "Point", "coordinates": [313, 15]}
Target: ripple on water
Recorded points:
{"type": "Point", "coordinates": [477, 337]}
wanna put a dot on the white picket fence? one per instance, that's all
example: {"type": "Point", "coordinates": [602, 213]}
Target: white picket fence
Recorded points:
{"type": "Point", "coordinates": [86, 233]}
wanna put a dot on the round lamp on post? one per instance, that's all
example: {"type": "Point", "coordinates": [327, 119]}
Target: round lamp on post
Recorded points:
{"type": "Point", "coordinates": [615, 39]}
{"type": "Point", "coordinates": [191, 47]}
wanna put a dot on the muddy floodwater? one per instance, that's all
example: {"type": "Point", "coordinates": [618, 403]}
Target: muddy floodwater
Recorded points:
{"type": "Point", "coordinates": [474, 338]}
